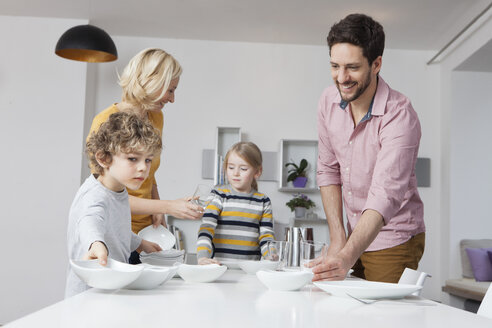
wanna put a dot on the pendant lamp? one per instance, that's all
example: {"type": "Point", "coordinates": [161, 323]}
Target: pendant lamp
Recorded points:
{"type": "Point", "coordinates": [86, 43]}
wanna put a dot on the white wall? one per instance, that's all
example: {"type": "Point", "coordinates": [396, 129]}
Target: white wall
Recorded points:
{"type": "Point", "coordinates": [41, 115]}
{"type": "Point", "coordinates": [471, 160]}
{"type": "Point", "coordinates": [455, 212]}
{"type": "Point", "coordinates": [271, 91]}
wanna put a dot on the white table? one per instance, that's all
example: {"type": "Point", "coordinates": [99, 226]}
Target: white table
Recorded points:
{"type": "Point", "coordinates": [240, 300]}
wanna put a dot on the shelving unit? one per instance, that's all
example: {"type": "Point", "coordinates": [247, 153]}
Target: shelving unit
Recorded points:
{"type": "Point", "coordinates": [313, 221]}
{"type": "Point", "coordinates": [225, 137]}
{"type": "Point", "coordinates": [292, 150]}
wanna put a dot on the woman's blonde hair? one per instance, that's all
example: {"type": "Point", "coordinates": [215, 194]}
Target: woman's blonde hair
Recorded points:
{"type": "Point", "coordinates": [148, 73]}
{"type": "Point", "coordinates": [250, 153]}
{"type": "Point", "coordinates": [122, 132]}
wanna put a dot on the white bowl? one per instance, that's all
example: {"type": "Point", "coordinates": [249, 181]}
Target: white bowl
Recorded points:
{"type": "Point", "coordinates": [231, 264]}
{"type": "Point", "coordinates": [159, 235]}
{"type": "Point", "coordinates": [252, 267]}
{"type": "Point", "coordinates": [114, 275]}
{"type": "Point", "coordinates": [201, 273]}
{"type": "Point", "coordinates": [152, 277]}
{"type": "Point", "coordinates": [284, 280]}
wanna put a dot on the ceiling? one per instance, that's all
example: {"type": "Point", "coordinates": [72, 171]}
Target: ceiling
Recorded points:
{"type": "Point", "coordinates": [409, 24]}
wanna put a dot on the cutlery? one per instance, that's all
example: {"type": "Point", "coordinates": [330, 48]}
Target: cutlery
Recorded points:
{"type": "Point", "coordinates": [413, 300]}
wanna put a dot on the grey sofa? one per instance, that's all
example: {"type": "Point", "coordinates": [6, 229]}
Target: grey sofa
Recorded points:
{"type": "Point", "coordinates": [466, 286]}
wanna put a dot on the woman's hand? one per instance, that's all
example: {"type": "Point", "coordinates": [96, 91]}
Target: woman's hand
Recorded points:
{"type": "Point", "coordinates": [183, 208]}
{"type": "Point", "coordinates": [148, 247]}
{"type": "Point", "coordinates": [205, 261]}
{"type": "Point", "coordinates": [158, 219]}
{"type": "Point", "coordinates": [97, 251]}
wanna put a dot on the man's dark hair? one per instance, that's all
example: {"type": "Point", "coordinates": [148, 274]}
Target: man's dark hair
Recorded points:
{"type": "Point", "coordinates": [360, 30]}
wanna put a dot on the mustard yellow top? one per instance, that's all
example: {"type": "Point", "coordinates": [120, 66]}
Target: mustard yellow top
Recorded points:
{"type": "Point", "coordinates": [157, 120]}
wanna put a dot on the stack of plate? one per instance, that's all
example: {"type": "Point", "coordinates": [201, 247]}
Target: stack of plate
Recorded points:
{"type": "Point", "coordinates": [168, 256]}
{"type": "Point", "coordinates": [164, 258]}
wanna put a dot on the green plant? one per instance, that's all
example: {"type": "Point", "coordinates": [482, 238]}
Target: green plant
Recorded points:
{"type": "Point", "coordinates": [300, 200]}
{"type": "Point", "coordinates": [297, 170]}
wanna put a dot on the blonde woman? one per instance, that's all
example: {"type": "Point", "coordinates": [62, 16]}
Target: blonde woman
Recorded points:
{"type": "Point", "coordinates": [149, 82]}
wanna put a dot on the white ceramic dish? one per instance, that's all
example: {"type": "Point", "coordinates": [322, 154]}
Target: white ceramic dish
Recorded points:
{"type": "Point", "coordinates": [159, 235]}
{"type": "Point", "coordinates": [152, 277]}
{"type": "Point", "coordinates": [201, 273]}
{"type": "Point", "coordinates": [114, 275]}
{"type": "Point", "coordinates": [252, 267]}
{"type": "Point", "coordinates": [366, 289]}
{"type": "Point", "coordinates": [231, 263]}
{"type": "Point", "coordinates": [284, 280]}
{"type": "Point", "coordinates": [165, 254]}
{"type": "Point", "coordinates": [162, 261]}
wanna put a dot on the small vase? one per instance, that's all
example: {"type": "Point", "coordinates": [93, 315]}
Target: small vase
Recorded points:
{"type": "Point", "coordinates": [300, 212]}
{"type": "Point", "coordinates": [299, 182]}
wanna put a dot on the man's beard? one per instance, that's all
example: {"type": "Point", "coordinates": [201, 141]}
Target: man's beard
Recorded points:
{"type": "Point", "coordinates": [360, 88]}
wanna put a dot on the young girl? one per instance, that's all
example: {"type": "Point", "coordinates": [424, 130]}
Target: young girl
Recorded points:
{"type": "Point", "coordinates": [121, 153]}
{"type": "Point", "coordinates": [238, 222]}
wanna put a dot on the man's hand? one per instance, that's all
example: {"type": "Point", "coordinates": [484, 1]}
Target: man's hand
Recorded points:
{"type": "Point", "coordinates": [97, 251]}
{"type": "Point", "coordinates": [330, 268]}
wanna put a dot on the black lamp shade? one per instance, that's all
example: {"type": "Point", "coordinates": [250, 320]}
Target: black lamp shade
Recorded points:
{"type": "Point", "coordinates": [86, 43]}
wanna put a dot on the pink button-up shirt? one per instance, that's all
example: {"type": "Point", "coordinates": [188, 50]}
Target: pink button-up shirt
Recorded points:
{"type": "Point", "coordinates": [374, 162]}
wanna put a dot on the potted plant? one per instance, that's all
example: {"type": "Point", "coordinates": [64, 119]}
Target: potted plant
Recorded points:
{"type": "Point", "coordinates": [297, 174]}
{"type": "Point", "coordinates": [299, 204]}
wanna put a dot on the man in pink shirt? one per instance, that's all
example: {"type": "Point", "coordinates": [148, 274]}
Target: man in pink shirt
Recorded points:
{"type": "Point", "coordinates": [369, 138]}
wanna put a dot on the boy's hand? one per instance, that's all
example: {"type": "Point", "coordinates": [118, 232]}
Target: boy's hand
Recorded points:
{"type": "Point", "coordinates": [158, 219]}
{"type": "Point", "coordinates": [97, 251]}
{"type": "Point", "coordinates": [205, 261]}
{"type": "Point", "coordinates": [148, 247]}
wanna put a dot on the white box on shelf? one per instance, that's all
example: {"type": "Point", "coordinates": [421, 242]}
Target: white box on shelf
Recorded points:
{"type": "Point", "coordinates": [292, 150]}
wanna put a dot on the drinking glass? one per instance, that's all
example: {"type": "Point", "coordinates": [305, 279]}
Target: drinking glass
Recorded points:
{"type": "Point", "coordinates": [278, 251]}
{"type": "Point", "coordinates": [311, 250]}
{"type": "Point", "coordinates": [202, 195]}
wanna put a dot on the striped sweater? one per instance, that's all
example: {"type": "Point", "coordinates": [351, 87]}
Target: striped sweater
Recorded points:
{"type": "Point", "coordinates": [235, 225]}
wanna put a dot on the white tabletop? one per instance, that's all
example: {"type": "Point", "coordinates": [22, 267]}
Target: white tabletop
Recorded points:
{"type": "Point", "coordinates": [240, 300]}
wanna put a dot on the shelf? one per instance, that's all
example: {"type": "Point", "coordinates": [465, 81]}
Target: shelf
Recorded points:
{"type": "Point", "coordinates": [298, 190]}
{"type": "Point", "coordinates": [320, 220]}
{"type": "Point", "coordinates": [292, 150]}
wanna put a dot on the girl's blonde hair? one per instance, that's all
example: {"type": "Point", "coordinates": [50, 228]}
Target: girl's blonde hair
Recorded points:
{"type": "Point", "coordinates": [250, 153]}
{"type": "Point", "coordinates": [122, 132]}
{"type": "Point", "coordinates": [148, 73]}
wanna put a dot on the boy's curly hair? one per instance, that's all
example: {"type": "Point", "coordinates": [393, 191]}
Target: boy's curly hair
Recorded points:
{"type": "Point", "coordinates": [122, 132]}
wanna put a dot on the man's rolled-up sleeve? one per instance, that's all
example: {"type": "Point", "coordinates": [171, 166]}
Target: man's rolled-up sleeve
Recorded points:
{"type": "Point", "coordinates": [400, 137]}
{"type": "Point", "coordinates": [328, 170]}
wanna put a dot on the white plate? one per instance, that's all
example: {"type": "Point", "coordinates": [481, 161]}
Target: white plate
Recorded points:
{"type": "Point", "coordinates": [114, 275]}
{"type": "Point", "coordinates": [162, 261]}
{"type": "Point", "coordinates": [159, 235]}
{"type": "Point", "coordinates": [284, 280]}
{"type": "Point", "coordinates": [152, 277]}
{"type": "Point", "coordinates": [366, 289]}
{"type": "Point", "coordinates": [252, 267]}
{"type": "Point", "coordinates": [165, 254]}
{"type": "Point", "coordinates": [231, 263]}
{"type": "Point", "coordinates": [201, 273]}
